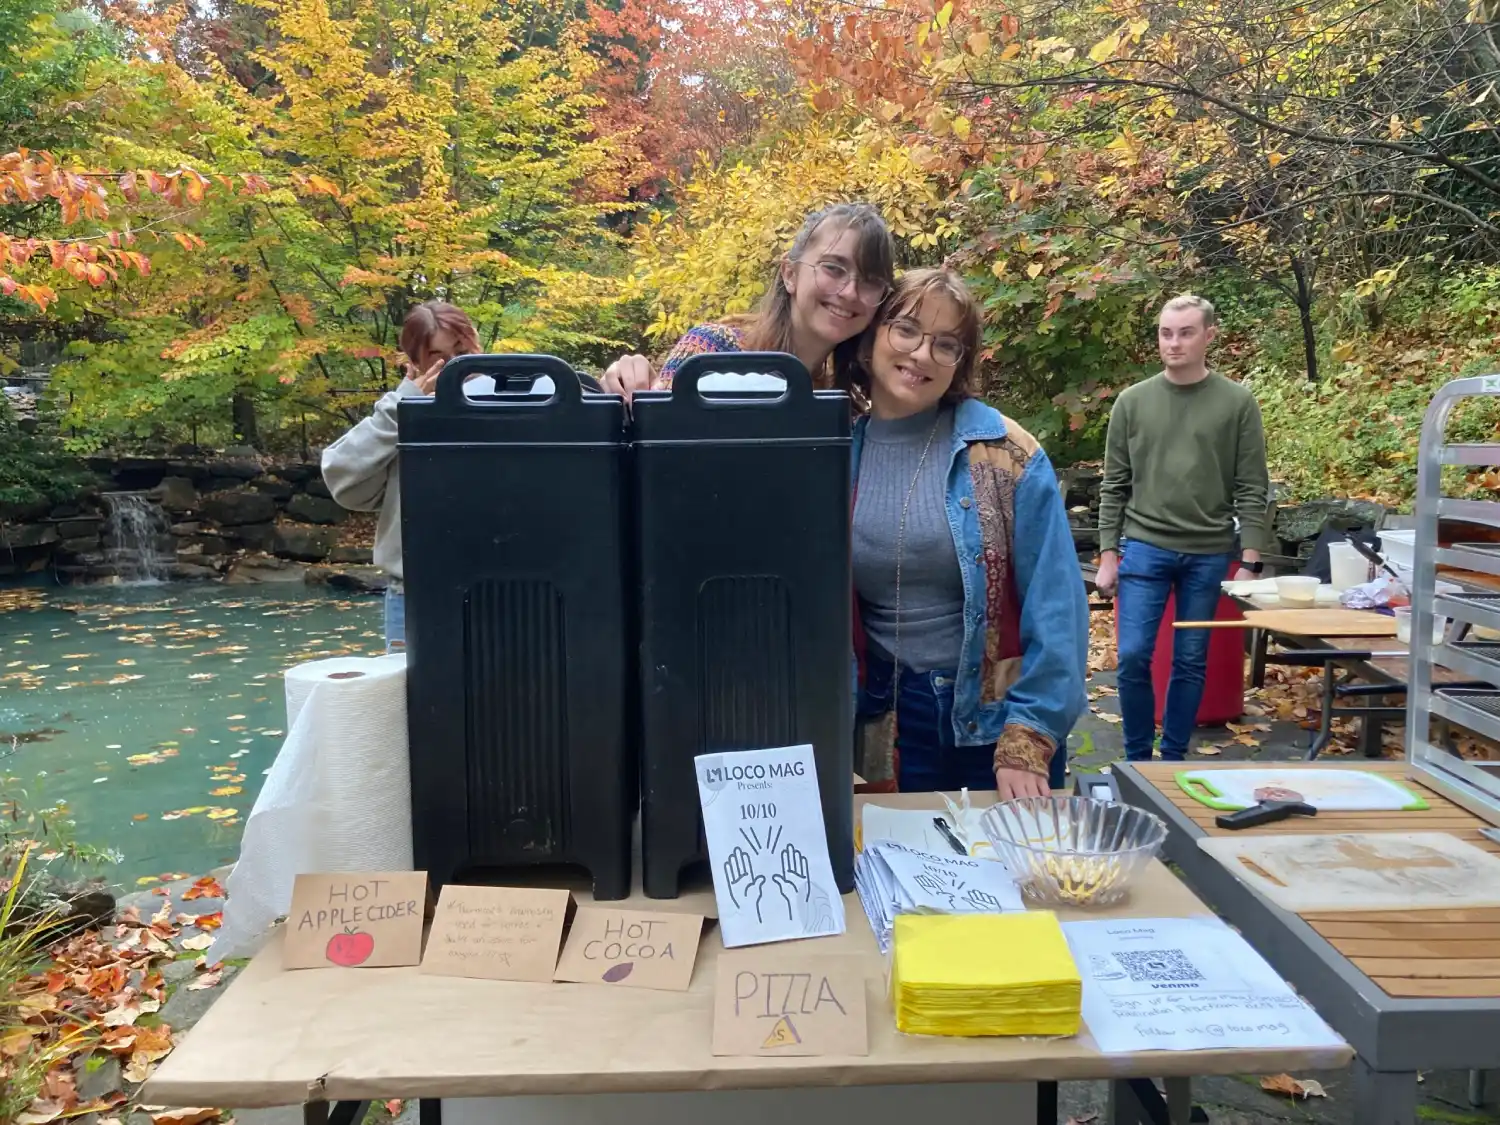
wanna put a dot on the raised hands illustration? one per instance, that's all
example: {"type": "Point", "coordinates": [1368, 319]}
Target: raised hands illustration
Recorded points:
{"type": "Point", "coordinates": [928, 883]}
{"type": "Point", "coordinates": [738, 876]}
{"type": "Point", "coordinates": [792, 882]}
{"type": "Point", "coordinates": [982, 900]}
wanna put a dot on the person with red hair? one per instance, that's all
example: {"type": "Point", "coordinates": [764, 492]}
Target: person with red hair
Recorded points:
{"type": "Point", "coordinates": [360, 467]}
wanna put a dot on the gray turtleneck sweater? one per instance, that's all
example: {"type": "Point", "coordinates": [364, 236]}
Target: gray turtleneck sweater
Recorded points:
{"type": "Point", "coordinates": [932, 592]}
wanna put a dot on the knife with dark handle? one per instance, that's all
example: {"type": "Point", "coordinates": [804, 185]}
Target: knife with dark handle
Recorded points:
{"type": "Point", "coordinates": [1267, 812]}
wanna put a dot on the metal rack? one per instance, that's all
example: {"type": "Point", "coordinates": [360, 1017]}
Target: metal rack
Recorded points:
{"type": "Point", "coordinates": [1475, 709]}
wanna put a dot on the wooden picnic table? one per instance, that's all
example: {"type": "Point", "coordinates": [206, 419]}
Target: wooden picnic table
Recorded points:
{"type": "Point", "coordinates": [1410, 990]}
{"type": "Point", "coordinates": [1368, 664]}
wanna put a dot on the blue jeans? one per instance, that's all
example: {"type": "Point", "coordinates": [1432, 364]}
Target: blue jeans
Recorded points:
{"type": "Point", "coordinates": [1148, 575]}
{"type": "Point", "coordinates": [395, 618]}
{"type": "Point", "coordinates": [928, 758]}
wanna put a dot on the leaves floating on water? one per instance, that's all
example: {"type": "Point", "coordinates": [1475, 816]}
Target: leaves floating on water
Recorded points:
{"type": "Point", "coordinates": [24, 597]}
{"type": "Point", "coordinates": [152, 759]}
{"type": "Point", "coordinates": [224, 791]}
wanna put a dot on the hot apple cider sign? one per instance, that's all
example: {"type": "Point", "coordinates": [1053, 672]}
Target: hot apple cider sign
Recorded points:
{"type": "Point", "coordinates": [360, 920]}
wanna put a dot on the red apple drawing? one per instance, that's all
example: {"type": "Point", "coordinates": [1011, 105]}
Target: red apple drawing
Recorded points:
{"type": "Point", "coordinates": [350, 948]}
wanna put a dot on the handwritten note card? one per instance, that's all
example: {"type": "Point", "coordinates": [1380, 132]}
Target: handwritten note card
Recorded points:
{"type": "Point", "coordinates": [499, 933]}
{"type": "Point", "coordinates": [808, 1006]}
{"type": "Point", "coordinates": [364, 920]}
{"type": "Point", "coordinates": [631, 948]}
{"type": "Point", "coordinates": [1185, 984]}
{"type": "Point", "coordinates": [766, 844]}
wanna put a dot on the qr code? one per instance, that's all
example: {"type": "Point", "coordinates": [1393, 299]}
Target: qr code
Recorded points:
{"type": "Point", "coordinates": [1169, 966]}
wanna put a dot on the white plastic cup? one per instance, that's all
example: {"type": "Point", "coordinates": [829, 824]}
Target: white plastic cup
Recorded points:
{"type": "Point", "coordinates": [1347, 567]}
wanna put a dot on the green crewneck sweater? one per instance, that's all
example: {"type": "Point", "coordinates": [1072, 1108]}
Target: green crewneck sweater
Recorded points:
{"type": "Point", "coordinates": [1180, 463]}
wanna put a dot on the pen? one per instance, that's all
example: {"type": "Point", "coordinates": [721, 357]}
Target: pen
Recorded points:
{"type": "Point", "coordinates": [942, 826]}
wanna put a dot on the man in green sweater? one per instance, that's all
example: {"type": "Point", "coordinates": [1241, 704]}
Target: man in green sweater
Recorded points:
{"type": "Point", "coordinates": [1185, 460]}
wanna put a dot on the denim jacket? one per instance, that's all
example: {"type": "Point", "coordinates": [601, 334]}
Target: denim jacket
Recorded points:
{"type": "Point", "coordinates": [1020, 679]}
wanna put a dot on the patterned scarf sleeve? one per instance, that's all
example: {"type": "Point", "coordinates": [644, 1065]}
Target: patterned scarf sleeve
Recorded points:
{"type": "Point", "coordinates": [700, 340]}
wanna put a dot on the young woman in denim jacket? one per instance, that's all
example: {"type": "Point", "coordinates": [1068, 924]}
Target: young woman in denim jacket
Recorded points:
{"type": "Point", "coordinates": [823, 296]}
{"type": "Point", "coordinates": [971, 616]}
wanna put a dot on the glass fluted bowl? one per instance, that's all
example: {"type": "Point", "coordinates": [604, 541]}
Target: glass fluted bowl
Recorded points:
{"type": "Point", "coordinates": [1073, 851]}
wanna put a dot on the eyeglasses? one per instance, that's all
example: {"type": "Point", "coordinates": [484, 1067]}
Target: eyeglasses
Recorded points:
{"type": "Point", "coordinates": [834, 276]}
{"type": "Point", "coordinates": [907, 336]}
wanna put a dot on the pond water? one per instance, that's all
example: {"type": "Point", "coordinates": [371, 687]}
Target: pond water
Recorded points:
{"type": "Point", "coordinates": [154, 712]}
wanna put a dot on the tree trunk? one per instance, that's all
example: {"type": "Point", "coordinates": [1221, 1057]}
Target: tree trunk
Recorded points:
{"type": "Point", "coordinates": [1304, 300]}
{"type": "Point", "coordinates": [246, 428]}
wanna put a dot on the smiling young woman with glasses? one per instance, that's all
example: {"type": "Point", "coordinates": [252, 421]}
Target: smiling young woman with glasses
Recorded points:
{"type": "Point", "coordinates": [972, 623]}
{"type": "Point", "coordinates": [822, 297]}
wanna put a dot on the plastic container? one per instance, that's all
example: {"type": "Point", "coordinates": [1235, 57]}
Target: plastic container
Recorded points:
{"type": "Point", "coordinates": [742, 546]}
{"type": "Point", "coordinates": [1346, 566]}
{"type": "Point", "coordinates": [1297, 591]}
{"type": "Point", "coordinates": [1224, 679]}
{"type": "Point", "coordinates": [1403, 626]}
{"type": "Point", "coordinates": [1073, 851]}
{"type": "Point", "coordinates": [1399, 548]}
{"type": "Point", "coordinates": [518, 624]}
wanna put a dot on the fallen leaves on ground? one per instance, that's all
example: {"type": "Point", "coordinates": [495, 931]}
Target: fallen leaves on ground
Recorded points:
{"type": "Point", "coordinates": [99, 994]}
{"type": "Point", "coordinates": [1290, 1087]}
{"type": "Point", "coordinates": [184, 1116]}
{"type": "Point", "coordinates": [206, 980]}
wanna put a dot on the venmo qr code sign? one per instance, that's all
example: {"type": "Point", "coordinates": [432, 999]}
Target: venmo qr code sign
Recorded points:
{"type": "Point", "coordinates": [1144, 990]}
{"type": "Point", "coordinates": [1158, 966]}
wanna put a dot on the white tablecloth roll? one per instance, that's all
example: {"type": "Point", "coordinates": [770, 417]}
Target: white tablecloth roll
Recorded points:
{"type": "Point", "coordinates": [338, 797]}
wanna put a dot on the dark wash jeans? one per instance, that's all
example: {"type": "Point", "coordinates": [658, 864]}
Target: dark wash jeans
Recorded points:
{"type": "Point", "coordinates": [928, 759]}
{"type": "Point", "coordinates": [1148, 575]}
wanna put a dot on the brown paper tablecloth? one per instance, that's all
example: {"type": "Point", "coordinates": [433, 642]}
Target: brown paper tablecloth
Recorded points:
{"type": "Point", "coordinates": [282, 1037]}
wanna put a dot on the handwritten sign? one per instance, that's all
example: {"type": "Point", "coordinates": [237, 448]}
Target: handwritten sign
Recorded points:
{"type": "Point", "coordinates": [767, 847]}
{"type": "Point", "coordinates": [498, 933]}
{"type": "Point", "coordinates": [785, 1006]}
{"type": "Point", "coordinates": [631, 948]}
{"type": "Point", "coordinates": [363, 920]}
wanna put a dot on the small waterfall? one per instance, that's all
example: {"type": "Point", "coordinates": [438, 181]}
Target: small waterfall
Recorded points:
{"type": "Point", "coordinates": [133, 540]}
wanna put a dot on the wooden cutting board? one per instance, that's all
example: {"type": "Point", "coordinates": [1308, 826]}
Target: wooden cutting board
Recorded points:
{"type": "Point", "coordinates": [1307, 622]}
{"type": "Point", "coordinates": [1359, 871]}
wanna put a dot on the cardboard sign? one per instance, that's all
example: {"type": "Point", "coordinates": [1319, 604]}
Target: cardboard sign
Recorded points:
{"type": "Point", "coordinates": [363, 919]}
{"type": "Point", "coordinates": [497, 933]}
{"type": "Point", "coordinates": [787, 1006]}
{"type": "Point", "coordinates": [631, 948]}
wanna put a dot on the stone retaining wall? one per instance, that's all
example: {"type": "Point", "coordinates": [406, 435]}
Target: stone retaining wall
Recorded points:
{"type": "Point", "coordinates": [239, 516]}
{"type": "Point", "coordinates": [209, 515]}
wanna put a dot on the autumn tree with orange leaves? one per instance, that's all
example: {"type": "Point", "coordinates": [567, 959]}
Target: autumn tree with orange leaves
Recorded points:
{"type": "Point", "coordinates": [397, 161]}
{"type": "Point", "coordinates": [83, 197]}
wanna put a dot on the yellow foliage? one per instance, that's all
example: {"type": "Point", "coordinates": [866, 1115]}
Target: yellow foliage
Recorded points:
{"type": "Point", "coordinates": [714, 256]}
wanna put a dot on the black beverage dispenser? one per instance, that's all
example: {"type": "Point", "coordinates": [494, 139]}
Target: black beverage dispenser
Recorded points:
{"type": "Point", "coordinates": [520, 663]}
{"type": "Point", "coordinates": [742, 507]}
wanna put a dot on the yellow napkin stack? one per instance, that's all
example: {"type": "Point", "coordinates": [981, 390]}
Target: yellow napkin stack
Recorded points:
{"type": "Point", "coordinates": [984, 974]}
